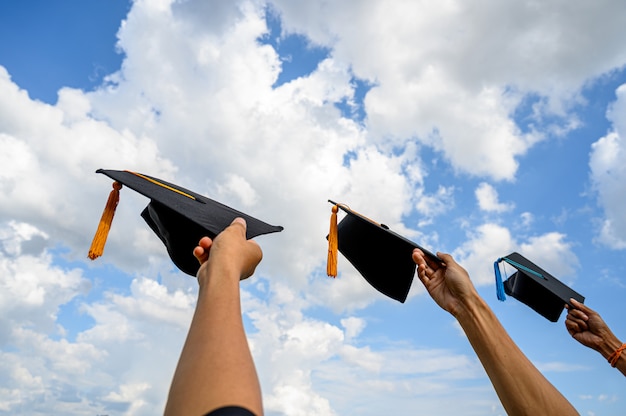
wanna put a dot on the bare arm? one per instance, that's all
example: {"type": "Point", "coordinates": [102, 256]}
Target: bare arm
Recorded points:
{"type": "Point", "coordinates": [522, 389]}
{"type": "Point", "coordinates": [587, 327]}
{"type": "Point", "coordinates": [216, 368]}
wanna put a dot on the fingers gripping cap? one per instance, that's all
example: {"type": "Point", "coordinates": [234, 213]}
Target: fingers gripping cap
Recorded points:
{"type": "Point", "coordinates": [180, 217]}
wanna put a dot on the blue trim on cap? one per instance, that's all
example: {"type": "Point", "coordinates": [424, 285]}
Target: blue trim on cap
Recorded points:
{"type": "Point", "coordinates": [526, 269]}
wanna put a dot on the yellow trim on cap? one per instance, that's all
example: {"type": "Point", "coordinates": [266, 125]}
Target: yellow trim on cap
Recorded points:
{"type": "Point", "coordinates": [162, 184]}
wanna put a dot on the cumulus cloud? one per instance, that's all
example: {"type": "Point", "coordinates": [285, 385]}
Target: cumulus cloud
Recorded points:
{"type": "Point", "coordinates": [432, 205]}
{"type": "Point", "coordinates": [608, 174]}
{"type": "Point", "coordinates": [452, 73]}
{"type": "Point", "coordinates": [487, 198]}
{"type": "Point", "coordinates": [553, 252]}
{"type": "Point", "coordinates": [490, 241]}
{"type": "Point", "coordinates": [32, 290]}
{"type": "Point", "coordinates": [195, 103]}
{"type": "Point", "coordinates": [301, 359]}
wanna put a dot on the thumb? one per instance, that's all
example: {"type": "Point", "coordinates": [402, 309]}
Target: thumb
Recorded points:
{"type": "Point", "coordinates": [447, 258]}
{"type": "Point", "coordinates": [241, 225]}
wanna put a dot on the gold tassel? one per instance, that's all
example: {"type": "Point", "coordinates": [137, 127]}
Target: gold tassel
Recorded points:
{"type": "Point", "coordinates": [100, 239]}
{"type": "Point", "coordinates": [331, 264]}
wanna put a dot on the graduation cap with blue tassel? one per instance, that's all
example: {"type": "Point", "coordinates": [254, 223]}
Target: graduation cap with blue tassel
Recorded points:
{"type": "Point", "coordinates": [534, 287]}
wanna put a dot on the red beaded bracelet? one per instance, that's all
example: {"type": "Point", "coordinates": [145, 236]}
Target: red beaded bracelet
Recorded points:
{"type": "Point", "coordinates": [613, 358]}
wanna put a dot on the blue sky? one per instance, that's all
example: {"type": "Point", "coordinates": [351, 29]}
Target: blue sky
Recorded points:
{"type": "Point", "coordinates": [66, 44]}
{"type": "Point", "coordinates": [471, 138]}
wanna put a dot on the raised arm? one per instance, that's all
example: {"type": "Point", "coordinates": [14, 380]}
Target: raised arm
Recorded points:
{"type": "Point", "coordinates": [522, 389]}
{"type": "Point", "coordinates": [587, 327]}
{"type": "Point", "coordinates": [216, 368]}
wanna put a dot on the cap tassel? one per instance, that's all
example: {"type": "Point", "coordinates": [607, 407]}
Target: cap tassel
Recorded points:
{"type": "Point", "coordinates": [499, 285]}
{"type": "Point", "coordinates": [100, 238]}
{"type": "Point", "coordinates": [331, 264]}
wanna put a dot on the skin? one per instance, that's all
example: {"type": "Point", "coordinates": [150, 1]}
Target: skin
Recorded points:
{"type": "Point", "coordinates": [587, 327]}
{"type": "Point", "coordinates": [522, 389]}
{"type": "Point", "coordinates": [216, 368]}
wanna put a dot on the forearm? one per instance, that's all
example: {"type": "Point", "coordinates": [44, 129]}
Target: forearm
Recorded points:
{"type": "Point", "coordinates": [609, 345]}
{"type": "Point", "coordinates": [216, 368]}
{"type": "Point", "coordinates": [522, 389]}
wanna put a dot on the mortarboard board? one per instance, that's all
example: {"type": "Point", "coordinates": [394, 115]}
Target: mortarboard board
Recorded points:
{"type": "Point", "coordinates": [534, 287]}
{"type": "Point", "coordinates": [179, 217]}
{"type": "Point", "coordinates": [381, 256]}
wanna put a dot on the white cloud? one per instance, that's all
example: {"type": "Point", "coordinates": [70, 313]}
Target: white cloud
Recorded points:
{"type": "Point", "coordinates": [526, 218]}
{"type": "Point", "coordinates": [435, 204]}
{"type": "Point", "coordinates": [297, 355]}
{"type": "Point", "coordinates": [108, 365]}
{"type": "Point", "coordinates": [491, 241]}
{"type": "Point", "coordinates": [451, 73]}
{"type": "Point", "coordinates": [553, 252]}
{"type": "Point", "coordinates": [308, 366]}
{"type": "Point", "coordinates": [353, 326]}
{"type": "Point", "coordinates": [487, 198]}
{"type": "Point", "coordinates": [483, 247]}
{"type": "Point", "coordinates": [31, 290]}
{"type": "Point", "coordinates": [608, 174]}
{"type": "Point", "coordinates": [239, 187]}
{"type": "Point", "coordinates": [193, 104]}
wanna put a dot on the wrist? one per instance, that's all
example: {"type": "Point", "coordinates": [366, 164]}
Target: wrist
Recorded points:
{"type": "Point", "coordinates": [470, 308]}
{"type": "Point", "coordinates": [214, 273]}
{"type": "Point", "coordinates": [616, 356]}
{"type": "Point", "coordinates": [609, 346]}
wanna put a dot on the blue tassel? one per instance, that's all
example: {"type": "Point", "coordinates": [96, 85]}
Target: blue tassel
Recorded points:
{"type": "Point", "coordinates": [499, 284]}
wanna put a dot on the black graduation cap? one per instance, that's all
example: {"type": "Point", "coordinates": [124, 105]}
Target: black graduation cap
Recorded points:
{"type": "Point", "coordinates": [535, 287]}
{"type": "Point", "coordinates": [178, 216]}
{"type": "Point", "coordinates": [381, 256]}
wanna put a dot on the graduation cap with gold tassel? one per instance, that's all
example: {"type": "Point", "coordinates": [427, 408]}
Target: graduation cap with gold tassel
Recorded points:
{"type": "Point", "coordinates": [381, 256]}
{"type": "Point", "coordinates": [179, 217]}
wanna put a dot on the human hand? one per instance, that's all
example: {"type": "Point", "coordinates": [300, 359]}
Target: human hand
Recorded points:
{"type": "Point", "coordinates": [230, 251]}
{"type": "Point", "coordinates": [448, 284]}
{"type": "Point", "coordinates": [586, 326]}
{"type": "Point", "coordinates": [201, 252]}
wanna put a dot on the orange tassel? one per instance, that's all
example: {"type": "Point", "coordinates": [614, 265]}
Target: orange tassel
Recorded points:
{"type": "Point", "coordinates": [100, 239]}
{"type": "Point", "coordinates": [331, 264]}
